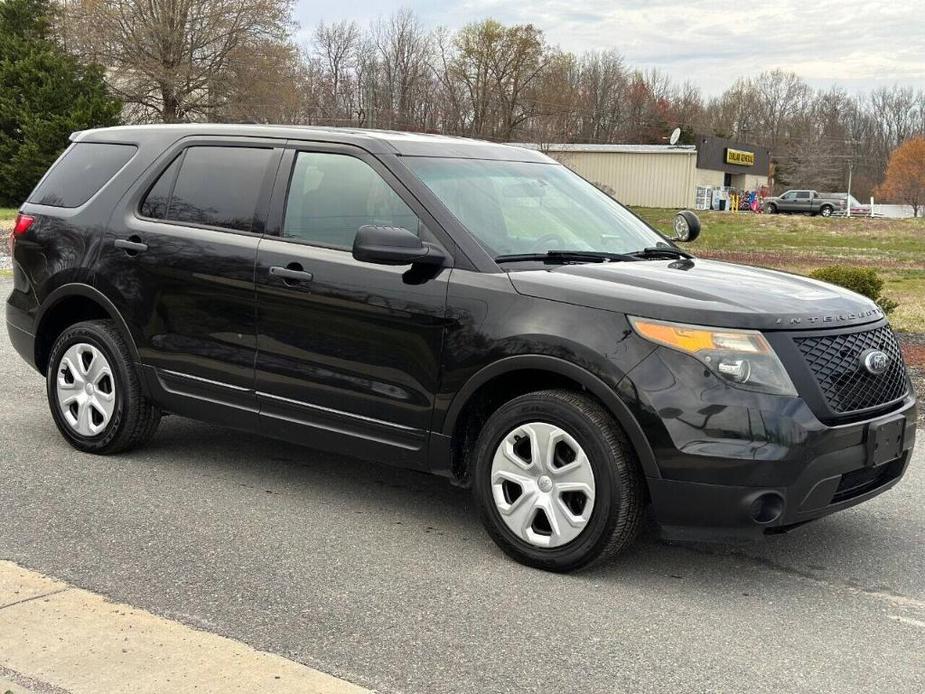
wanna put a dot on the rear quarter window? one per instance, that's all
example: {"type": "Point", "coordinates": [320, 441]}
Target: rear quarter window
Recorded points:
{"type": "Point", "coordinates": [80, 173]}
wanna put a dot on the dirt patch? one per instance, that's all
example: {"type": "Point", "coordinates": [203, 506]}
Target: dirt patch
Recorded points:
{"type": "Point", "coordinates": [805, 259]}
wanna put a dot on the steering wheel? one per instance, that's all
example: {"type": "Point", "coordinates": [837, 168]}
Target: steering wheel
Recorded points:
{"type": "Point", "coordinates": [542, 243]}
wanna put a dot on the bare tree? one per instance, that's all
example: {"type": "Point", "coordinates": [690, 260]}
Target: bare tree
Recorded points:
{"type": "Point", "coordinates": [335, 48]}
{"type": "Point", "coordinates": [173, 60]}
{"type": "Point", "coordinates": [498, 66]}
{"type": "Point", "coordinates": [404, 49]}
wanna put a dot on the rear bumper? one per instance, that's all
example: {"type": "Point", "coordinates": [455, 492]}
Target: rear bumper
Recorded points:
{"type": "Point", "coordinates": [19, 328]}
{"type": "Point", "coordinates": [842, 476]}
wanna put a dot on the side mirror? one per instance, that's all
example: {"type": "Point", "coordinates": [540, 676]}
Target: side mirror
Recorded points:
{"type": "Point", "coordinates": [686, 226]}
{"type": "Point", "coordinates": [394, 246]}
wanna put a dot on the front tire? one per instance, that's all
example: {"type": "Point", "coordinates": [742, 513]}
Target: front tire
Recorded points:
{"type": "Point", "coordinates": [94, 392]}
{"type": "Point", "coordinates": [771, 208]}
{"type": "Point", "coordinates": [557, 483]}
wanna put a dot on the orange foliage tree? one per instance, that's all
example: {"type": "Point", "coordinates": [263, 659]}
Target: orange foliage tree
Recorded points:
{"type": "Point", "coordinates": [905, 175]}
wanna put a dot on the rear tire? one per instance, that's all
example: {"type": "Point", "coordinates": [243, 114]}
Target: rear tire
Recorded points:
{"type": "Point", "coordinates": [546, 524]}
{"type": "Point", "coordinates": [826, 211]}
{"type": "Point", "coordinates": [94, 392]}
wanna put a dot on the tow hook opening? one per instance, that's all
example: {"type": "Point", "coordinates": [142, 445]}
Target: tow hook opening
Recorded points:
{"type": "Point", "coordinates": [766, 508]}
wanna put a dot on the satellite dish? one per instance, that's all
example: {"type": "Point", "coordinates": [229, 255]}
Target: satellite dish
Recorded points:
{"type": "Point", "coordinates": [675, 136]}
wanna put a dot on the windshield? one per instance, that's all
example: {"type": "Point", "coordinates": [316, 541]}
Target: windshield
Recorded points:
{"type": "Point", "coordinates": [522, 207]}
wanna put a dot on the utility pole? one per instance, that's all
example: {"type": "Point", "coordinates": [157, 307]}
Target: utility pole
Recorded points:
{"type": "Point", "coordinates": [853, 145]}
{"type": "Point", "coordinates": [370, 98]}
{"type": "Point", "coordinates": [848, 197]}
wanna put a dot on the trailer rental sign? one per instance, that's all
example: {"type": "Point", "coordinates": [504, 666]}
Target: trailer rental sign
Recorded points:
{"type": "Point", "coordinates": [740, 157]}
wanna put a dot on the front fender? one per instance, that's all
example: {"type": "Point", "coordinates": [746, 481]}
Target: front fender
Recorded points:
{"type": "Point", "coordinates": [586, 379]}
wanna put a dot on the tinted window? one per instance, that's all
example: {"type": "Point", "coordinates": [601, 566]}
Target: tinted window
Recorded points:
{"type": "Point", "coordinates": [219, 186]}
{"type": "Point", "coordinates": [80, 173]}
{"type": "Point", "coordinates": [155, 204]}
{"type": "Point", "coordinates": [803, 195]}
{"type": "Point", "coordinates": [332, 195]}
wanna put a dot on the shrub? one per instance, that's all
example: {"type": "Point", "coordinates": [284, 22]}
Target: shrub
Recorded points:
{"type": "Point", "coordinates": [864, 281]}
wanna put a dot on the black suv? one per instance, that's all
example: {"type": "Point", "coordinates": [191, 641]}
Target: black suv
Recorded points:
{"type": "Point", "coordinates": [465, 308]}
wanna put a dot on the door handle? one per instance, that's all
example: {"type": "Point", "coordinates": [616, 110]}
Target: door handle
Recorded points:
{"type": "Point", "coordinates": [291, 274]}
{"type": "Point", "coordinates": [131, 245]}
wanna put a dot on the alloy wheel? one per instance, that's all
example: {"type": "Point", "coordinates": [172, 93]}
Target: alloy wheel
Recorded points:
{"type": "Point", "coordinates": [542, 484]}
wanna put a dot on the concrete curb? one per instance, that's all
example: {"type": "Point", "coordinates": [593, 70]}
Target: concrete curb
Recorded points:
{"type": "Point", "coordinates": [81, 642]}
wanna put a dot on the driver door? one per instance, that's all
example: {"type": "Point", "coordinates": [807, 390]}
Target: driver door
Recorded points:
{"type": "Point", "coordinates": [788, 202]}
{"type": "Point", "coordinates": [348, 353]}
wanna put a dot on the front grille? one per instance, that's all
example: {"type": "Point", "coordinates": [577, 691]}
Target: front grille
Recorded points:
{"type": "Point", "coordinates": [835, 361]}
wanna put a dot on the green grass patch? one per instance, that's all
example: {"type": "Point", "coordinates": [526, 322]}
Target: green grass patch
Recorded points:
{"type": "Point", "coordinates": [894, 247]}
{"type": "Point", "coordinates": [7, 214]}
{"type": "Point", "coordinates": [5, 274]}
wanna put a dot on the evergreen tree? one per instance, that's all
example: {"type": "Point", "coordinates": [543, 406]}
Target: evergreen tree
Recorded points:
{"type": "Point", "coordinates": [45, 95]}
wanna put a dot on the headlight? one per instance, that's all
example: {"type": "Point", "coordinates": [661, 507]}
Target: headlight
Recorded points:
{"type": "Point", "coordinates": [741, 357]}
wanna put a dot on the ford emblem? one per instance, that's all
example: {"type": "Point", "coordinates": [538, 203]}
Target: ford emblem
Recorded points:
{"type": "Point", "coordinates": [875, 361]}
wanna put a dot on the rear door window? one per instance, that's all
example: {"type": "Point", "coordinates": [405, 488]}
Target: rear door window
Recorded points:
{"type": "Point", "coordinates": [80, 173]}
{"type": "Point", "coordinates": [215, 186]}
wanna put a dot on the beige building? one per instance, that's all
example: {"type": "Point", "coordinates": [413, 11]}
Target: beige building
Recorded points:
{"type": "Point", "coordinates": [666, 175]}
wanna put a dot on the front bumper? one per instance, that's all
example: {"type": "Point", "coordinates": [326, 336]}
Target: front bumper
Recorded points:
{"type": "Point", "coordinates": [735, 464]}
{"type": "Point", "coordinates": [831, 482]}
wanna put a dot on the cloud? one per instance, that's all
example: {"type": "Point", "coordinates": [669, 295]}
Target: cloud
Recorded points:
{"type": "Point", "coordinates": [855, 43]}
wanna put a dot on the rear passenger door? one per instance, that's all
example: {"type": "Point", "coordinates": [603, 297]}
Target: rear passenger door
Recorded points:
{"type": "Point", "coordinates": [348, 352]}
{"type": "Point", "coordinates": [804, 201]}
{"type": "Point", "coordinates": [180, 262]}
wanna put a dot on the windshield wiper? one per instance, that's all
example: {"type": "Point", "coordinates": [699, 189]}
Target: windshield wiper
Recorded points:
{"type": "Point", "coordinates": [565, 257]}
{"type": "Point", "coordinates": [660, 252]}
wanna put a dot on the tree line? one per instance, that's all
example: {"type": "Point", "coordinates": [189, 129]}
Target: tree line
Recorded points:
{"type": "Point", "coordinates": [239, 61]}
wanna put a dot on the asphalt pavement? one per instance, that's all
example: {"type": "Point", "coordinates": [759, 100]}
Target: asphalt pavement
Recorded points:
{"type": "Point", "coordinates": [385, 578]}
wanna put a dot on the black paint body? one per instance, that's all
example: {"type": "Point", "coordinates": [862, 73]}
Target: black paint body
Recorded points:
{"type": "Point", "coordinates": [386, 362]}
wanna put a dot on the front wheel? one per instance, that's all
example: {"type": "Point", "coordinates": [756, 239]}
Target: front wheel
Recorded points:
{"type": "Point", "coordinates": [94, 392]}
{"type": "Point", "coordinates": [557, 484]}
{"type": "Point", "coordinates": [771, 208]}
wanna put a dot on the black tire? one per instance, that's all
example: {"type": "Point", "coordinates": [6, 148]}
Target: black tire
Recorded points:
{"type": "Point", "coordinates": [693, 225]}
{"type": "Point", "coordinates": [826, 210]}
{"type": "Point", "coordinates": [619, 503]}
{"type": "Point", "coordinates": [771, 208]}
{"type": "Point", "coordinates": [134, 419]}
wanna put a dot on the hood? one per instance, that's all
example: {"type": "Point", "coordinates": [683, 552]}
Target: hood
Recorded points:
{"type": "Point", "coordinates": [705, 292]}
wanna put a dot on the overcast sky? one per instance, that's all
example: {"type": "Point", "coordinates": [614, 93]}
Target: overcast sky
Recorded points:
{"type": "Point", "coordinates": [858, 44]}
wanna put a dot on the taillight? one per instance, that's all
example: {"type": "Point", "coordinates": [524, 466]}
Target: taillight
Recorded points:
{"type": "Point", "coordinates": [23, 223]}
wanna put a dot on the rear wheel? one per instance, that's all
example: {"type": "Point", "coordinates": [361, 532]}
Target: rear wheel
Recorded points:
{"type": "Point", "coordinates": [94, 392]}
{"type": "Point", "coordinates": [826, 210]}
{"type": "Point", "coordinates": [557, 483]}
